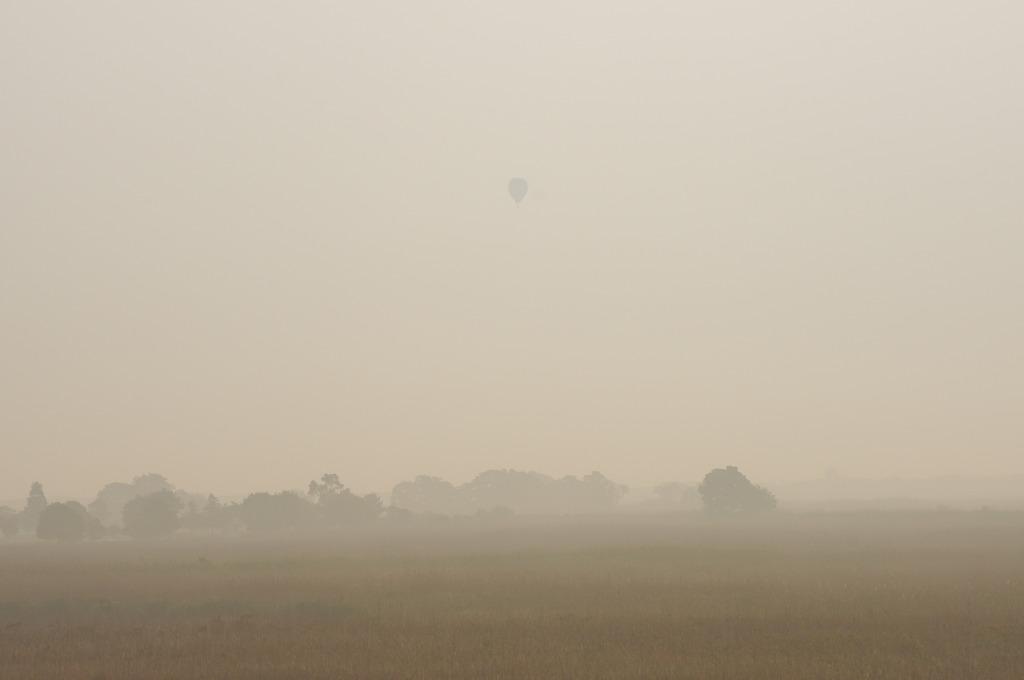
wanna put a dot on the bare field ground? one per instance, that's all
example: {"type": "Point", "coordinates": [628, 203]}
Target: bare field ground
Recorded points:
{"type": "Point", "coordinates": [930, 595]}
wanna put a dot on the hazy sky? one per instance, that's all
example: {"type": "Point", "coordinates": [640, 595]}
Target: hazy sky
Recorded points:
{"type": "Point", "coordinates": [246, 243]}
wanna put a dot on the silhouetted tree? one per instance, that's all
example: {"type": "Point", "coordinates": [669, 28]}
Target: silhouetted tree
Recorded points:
{"type": "Point", "coordinates": [110, 501]}
{"type": "Point", "coordinates": [68, 521]}
{"type": "Point", "coordinates": [329, 484]}
{"type": "Point", "coordinates": [285, 510]}
{"type": "Point", "coordinates": [428, 494]}
{"type": "Point", "coordinates": [594, 493]}
{"type": "Point", "coordinates": [34, 505]}
{"type": "Point", "coordinates": [521, 491]}
{"type": "Point", "coordinates": [339, 505]}
{"type": "Point", "coordinates": [728, 491]}
{"type": "Point", "coordinates": [8, 522]}
{"type": "Point", "coordinates": [215, 515]}
{"type": "Point", "coordinates": [152, 515]}
{"type": "Point", "coordinates": [99, 510]}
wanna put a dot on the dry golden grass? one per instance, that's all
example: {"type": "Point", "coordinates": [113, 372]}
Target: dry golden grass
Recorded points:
{"type": "Point", "coordinates": [844, 596]}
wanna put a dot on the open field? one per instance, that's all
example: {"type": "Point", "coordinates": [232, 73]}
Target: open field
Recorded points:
{"type": "Point", "coordinates": [938, 595]}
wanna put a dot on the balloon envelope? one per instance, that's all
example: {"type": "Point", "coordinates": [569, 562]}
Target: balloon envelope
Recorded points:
{"type": "Point", "coordinates": [517, 188]}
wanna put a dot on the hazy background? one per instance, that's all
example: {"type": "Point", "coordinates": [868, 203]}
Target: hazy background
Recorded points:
{"type": "Point", "coordinates": [246, 243]}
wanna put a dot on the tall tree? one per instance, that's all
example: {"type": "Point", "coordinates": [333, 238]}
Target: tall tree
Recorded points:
{"type": "Point", "coordinates": [34, 506]}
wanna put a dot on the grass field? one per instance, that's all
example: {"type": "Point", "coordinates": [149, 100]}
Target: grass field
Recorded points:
{"type": "Point", "coordinates": [931, 595]}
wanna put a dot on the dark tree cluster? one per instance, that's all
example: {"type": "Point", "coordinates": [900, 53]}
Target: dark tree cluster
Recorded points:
{"type": "Point", "coordinates": [212, 516]}
{"type": "Point", "coordinates": [68, 521]}
{"type": "Point", "coordinates": [520, 492]}
{"type": "Point", "coordinates": [110, 501]}
{"type": "Point", "coordinates": [150, 507]}
{"type": "Point", "coordinates": [728, 492]}
{"type": "Point", "coordinates": [153, 515]}
{"type": "Point", "coordinates": [338, 505]}
{"type": "Point", "coordinates": [275, 511]}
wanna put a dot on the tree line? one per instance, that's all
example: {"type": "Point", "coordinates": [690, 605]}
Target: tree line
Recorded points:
{"type": "Point", "coordinates": [151, 507]}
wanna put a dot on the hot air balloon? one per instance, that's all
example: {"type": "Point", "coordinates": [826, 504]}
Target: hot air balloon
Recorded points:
{"type": "Point", "coordinates": [517, 189]}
